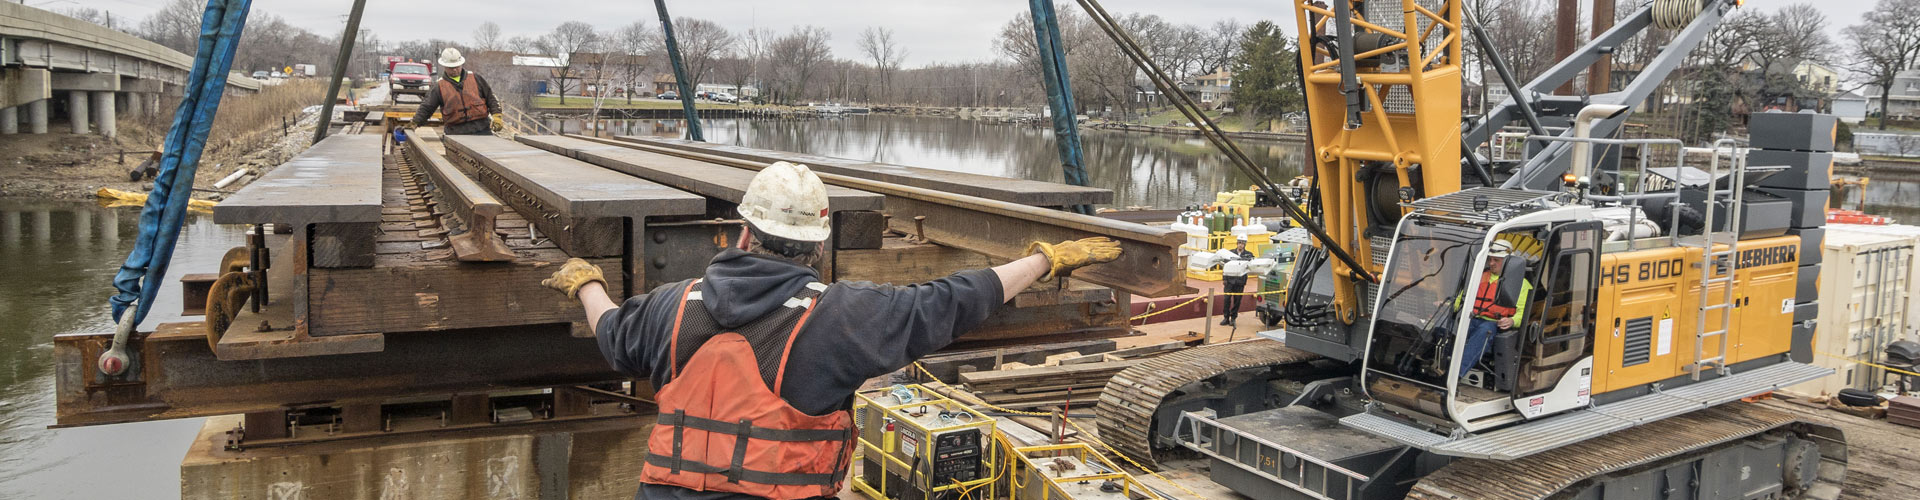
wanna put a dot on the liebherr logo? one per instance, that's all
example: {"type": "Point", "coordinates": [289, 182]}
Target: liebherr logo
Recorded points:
{"type": "Point", "coordinates": [1767, 256]}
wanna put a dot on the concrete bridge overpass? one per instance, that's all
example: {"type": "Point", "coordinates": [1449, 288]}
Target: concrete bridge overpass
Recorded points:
{"type": "Point", "coordinates": [95, 75]}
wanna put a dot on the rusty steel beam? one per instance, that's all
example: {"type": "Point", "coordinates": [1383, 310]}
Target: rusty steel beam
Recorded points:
{"type": "Point", "coordinates": [173, 373]}
{"type": "Point", "coordinates": [473, 239]}
{"type": "Point", "coordinates": [1149, 264]}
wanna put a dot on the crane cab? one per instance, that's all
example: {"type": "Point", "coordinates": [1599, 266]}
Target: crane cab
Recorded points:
{"type": "Point", "coordinates": [1438, 348]}
{"type": "Point", "coordinates": [1593, 320]}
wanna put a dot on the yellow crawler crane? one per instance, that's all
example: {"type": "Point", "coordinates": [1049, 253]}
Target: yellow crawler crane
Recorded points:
{"type": "Point", "coordinates": [1648, 294]}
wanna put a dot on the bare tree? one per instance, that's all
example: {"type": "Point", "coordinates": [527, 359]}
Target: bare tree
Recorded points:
{"type": "Point", "coordinates": [639, 41]}
{"type": "Point", "coordinates": [176, 25]}
{"type": "Point", "coordinates": [522, 44]}
{"type": "Point", "coordinates": [1886, 42]}
{"type": "Point", "coordinates": [797, 57]}
{"type": "Point", "coordinates": [1223, 45]}
{"type": "Point", "coordinates": [571, 37]}
{"type": "Point", "coordinates": [756, 43]}
{"type": "Point", "coordinates": [487, 37]}
{"type": "Point", "coordinates": [702, 42]}
{"type": "Point", "coordinates": [877, 42]}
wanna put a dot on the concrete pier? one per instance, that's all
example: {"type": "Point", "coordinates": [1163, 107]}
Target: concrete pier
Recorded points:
{"type": "Point", "coordinates": [104, 114]}
{"type": "Point", "coordinates": [37, 117]}
{"type": "Point", "coordinates": [10, 120]}
{"type": "Point", "coordinates": [132, 109]}
{"type": "Point", "coordinates": [77, 111]}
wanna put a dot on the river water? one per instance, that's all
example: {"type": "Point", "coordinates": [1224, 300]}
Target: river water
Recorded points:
{"type": "Point", "coordinates": [1142, 169]}
{"type": "Point", "coordinates": [57, 261]}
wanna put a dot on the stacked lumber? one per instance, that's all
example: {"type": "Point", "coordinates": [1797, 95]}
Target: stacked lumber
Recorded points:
{"type": "Point", "coordinates": [1056, 385]}
{"type": "Point", "coordinates": [1904, 410]}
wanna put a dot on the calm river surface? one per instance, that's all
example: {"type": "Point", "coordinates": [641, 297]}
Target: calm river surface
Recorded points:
{"type": "Point", "coordinates": [1142, 169]}
{"type": "Point", "coordinates": [57, 261]}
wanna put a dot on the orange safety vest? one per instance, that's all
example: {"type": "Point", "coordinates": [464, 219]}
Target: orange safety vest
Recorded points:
{"type": "Point", "coordinates": [722, 424]}
{"type": "Point", "coordinates": [463, 103]}
{"type": "Point", "coordinates": [1485, 301]}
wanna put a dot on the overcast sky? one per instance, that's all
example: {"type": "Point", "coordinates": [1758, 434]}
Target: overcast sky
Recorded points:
{"type": "Point", "coordinates": [931, 30]}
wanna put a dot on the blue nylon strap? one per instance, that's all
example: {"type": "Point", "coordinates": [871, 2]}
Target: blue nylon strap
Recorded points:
{"type": "Point", "coordinates": [160, 220]}
{"type": "Point", "coordinates": [679, 73]}
{"type": "Point", "coordinates": [1053, 69]}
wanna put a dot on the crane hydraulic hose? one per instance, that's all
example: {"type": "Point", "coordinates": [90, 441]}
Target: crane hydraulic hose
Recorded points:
{"type": "Point", "coordinates": [145, 269]}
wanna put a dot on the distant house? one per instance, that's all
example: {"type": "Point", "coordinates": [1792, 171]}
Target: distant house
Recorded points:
{"type": "Point", "coordinates": [1850, 107]}
{"type": "Point", "coordinates": [1212, 90]}
{"type": "Point", "coordinates": [1903, 98]}
{"type": "Point", "coordinates": [736, 90]}
{"type": "Point", "coordinates": [664, 83]}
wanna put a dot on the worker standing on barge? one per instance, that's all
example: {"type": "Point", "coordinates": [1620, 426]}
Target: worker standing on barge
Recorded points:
{"type": "Point", "coordinates": [756, 363]}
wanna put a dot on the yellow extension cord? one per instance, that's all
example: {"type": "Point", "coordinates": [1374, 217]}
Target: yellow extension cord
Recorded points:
{"type": "Point", "coordinates": [1084, 434]}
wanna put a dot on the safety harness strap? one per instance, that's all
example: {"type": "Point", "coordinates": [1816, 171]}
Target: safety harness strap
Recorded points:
{"type": "Point", "coordinates": [751, 476]}
{"type": "Point", "coordinates": [680, 420]}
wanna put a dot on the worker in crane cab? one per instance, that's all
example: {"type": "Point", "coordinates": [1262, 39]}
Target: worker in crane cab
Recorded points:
{"type": "Point", "coordinates": [1498, 303]}
{"type": "Point", "coordinates": [1233, 280]}
{"type": "Point", "coordinates": [463, 99]}
{"type": "Point", "coordinates": [756, 362]}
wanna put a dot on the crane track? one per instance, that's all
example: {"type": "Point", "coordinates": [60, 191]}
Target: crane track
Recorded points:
{"type": "Point", "coordinates": [1128, 404]}
{"type": "Point", "coordinates": [1553, 472]}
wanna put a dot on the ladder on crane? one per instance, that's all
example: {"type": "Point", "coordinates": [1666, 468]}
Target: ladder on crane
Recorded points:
{"type": "Point", "coordinates": [1719, 264]}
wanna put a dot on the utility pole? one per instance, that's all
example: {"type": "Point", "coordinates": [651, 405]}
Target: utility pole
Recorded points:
{"type": "Point", "coordinates": [1600, 76]}
{"type": "Point", "coordinates": [1566, 37]}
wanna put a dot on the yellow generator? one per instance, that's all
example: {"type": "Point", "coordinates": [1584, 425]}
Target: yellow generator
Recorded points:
{"type": "Point", "coordinates": [918, 445]}
{"type": "Point", "coordinates": [1072, 472]}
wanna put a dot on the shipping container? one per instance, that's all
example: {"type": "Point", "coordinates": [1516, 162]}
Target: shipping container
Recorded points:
{"type": "Point", "coordinates": [1864, 303]}
{"type": "Point", "coordinates": [1912, 323]}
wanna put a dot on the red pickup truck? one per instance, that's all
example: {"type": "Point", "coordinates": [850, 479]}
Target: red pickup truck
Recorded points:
{"type": "Point", "coordinates": [410, 77]}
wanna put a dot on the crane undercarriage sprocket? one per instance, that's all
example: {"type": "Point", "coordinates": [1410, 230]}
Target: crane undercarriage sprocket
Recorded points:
{"type": "Point", "coordinates": [1131, 399]}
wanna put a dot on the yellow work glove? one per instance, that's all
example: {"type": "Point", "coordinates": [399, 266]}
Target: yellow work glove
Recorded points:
{"type": "Point", "coordinates": [575, 274]}
{"type": "Point", "coordinates": [1066, 256]}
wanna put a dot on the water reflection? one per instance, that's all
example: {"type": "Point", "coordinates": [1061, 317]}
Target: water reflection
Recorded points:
{"type": "Point", "coordinates": [1142, 169]}
{"type": "Point", "coordinates": [57, 261]}
{"type": "Point", "coordinates": [1888, 195]}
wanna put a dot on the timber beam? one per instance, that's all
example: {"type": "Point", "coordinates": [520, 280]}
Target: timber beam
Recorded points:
{"type": "Point", "coordinates": [714, 181]}
{"type": "Point", "coordinates": [473, 237]}
{"type": "Point", "coordinates": [332, 190]}
{"type": "Point", "coordinates": [1149, 263]}
{"type": "Point", "coordinates": [583, 208]}
{"type": "Point", "coordinates": [174, 374]}
{"type": "Point", "coordinates": [1021, 191]}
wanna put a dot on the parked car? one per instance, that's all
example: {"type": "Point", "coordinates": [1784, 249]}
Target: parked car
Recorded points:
{"type": "Point", "coordinates": [669, 95]}
{"type": "Point", "coordinates": [259, 75]}
{"type": "Point", "coordinates": [722, 97]}
{"type": "Point", "coordinates": [277, 74]}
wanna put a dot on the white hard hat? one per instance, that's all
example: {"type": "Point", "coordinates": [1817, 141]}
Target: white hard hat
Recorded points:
{"type": "Point", "coordinates": [788, 201]}
{"type": "Point", "coordinates": [1501, 248]}
{"type": "Point", "coordinates": [1242, 238]}
{"type": "Point", "coordinates": [450, 58]}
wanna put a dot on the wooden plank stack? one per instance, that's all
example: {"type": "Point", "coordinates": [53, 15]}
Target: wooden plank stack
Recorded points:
{"type": "Point", "coordinates": [1078, 385]}
{"type": "Point", "coordinates": [1904, 410]}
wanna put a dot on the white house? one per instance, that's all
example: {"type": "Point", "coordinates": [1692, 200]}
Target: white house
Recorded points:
{"type": "Point", "coordinates": [1850, 107]}
{"type": "Point", "coordinates": [1903, 98]}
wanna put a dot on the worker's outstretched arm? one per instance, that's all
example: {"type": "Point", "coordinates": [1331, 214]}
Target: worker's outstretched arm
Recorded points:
{"type": "Point", "coordinates": [1053, 260]}
{"type": "Point", "coordinates": [581, 280]}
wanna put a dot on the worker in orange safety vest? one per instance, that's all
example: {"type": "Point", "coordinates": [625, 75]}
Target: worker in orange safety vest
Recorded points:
{"type": "Point", "coordinates": [756, 362]}
{"type": "Point", "coordinates": [1493, 311]}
